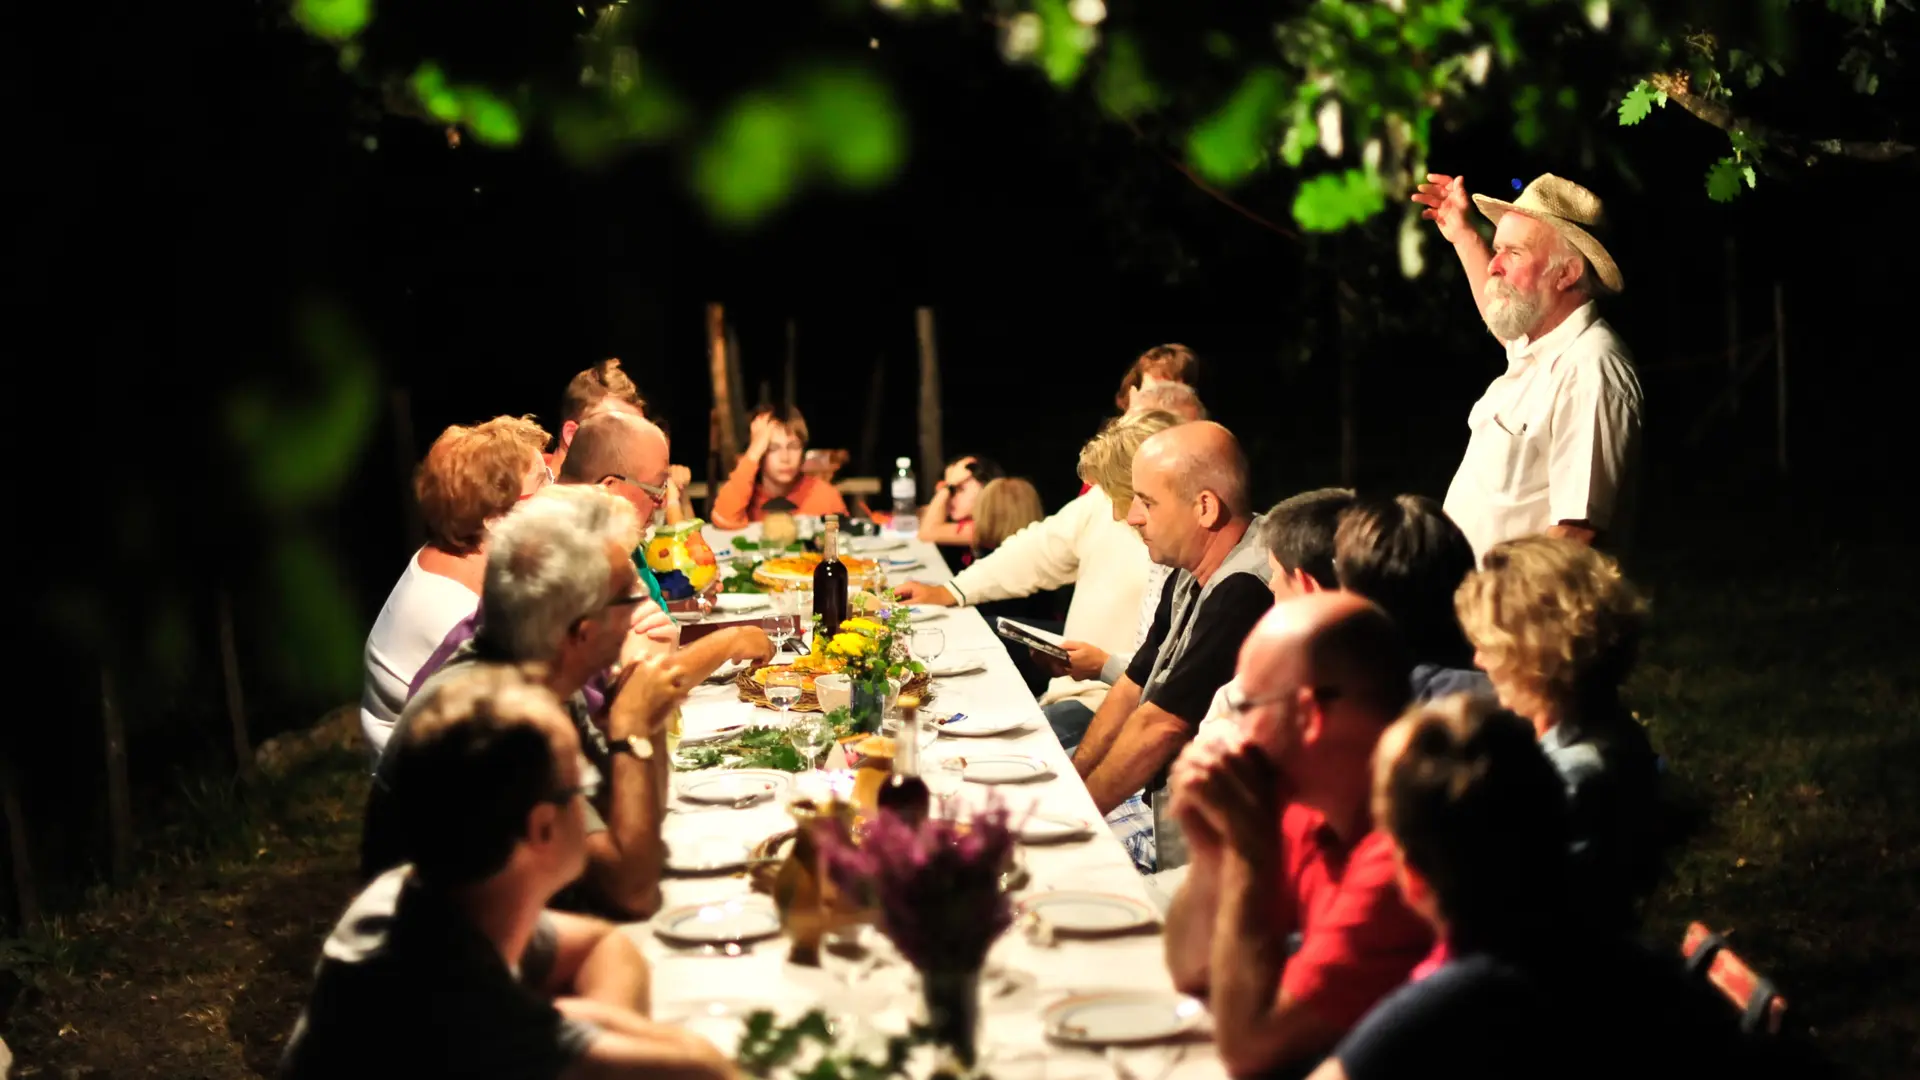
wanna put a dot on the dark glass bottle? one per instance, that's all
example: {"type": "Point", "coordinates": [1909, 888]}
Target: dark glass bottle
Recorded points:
{"type": "Point", "coordinates": [905, 793]}
{"type": "Point", "coordinates": [830, 581]}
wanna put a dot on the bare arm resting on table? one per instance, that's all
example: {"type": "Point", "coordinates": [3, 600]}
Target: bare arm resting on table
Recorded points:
{"type": "Point", "coordinates": [632, 1046]}
{"type": "Point", "coordinates": [594, 960]}
{"type": "Point", "coordinates": [1104, 729]}
{"type": "Point", "coordinates": [1257, 1026]}
{"type": "Point", "coordinates": [1150, 739]}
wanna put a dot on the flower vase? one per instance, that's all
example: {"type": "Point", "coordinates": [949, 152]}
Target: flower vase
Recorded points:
{"type": "Point", "coordinates": [953, 1010]}
{"type": "Point", "coordinates": [871, 698]}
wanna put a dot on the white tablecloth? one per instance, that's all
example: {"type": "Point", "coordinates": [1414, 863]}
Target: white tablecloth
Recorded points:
{"type": "Point", "coordinates": [1031, 976]}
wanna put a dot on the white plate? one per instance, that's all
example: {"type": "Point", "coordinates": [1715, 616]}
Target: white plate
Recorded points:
{"type": "Point", "coordinates": [731, 785]}
{"type": "Point", "coordinates": [706, 854]}
{"type": "Point", "coordinates": [978, 727]}
{"type": "Point", "coordinates": [920, 613]}
{"type": "Point", "coordinates": [740, 601]}
{"type": "Point", "coordinates": [1123, 1016]}
{"type": "Point", "coordinates": [1005, 768]}
{"type": "Point", "coordinates": [748, 918]}
{"type": "Point", "coordinates": [1053, 829]}
{"type": "Point", "coordinates": [868, 545]}
{"type": "Point", "coordinates": [1089, 914]}
{"type": "Point", "coordinates": [949, 668]}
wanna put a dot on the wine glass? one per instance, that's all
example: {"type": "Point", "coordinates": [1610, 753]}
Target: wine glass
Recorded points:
{"type": "Point", "coordinates": [943, 777]}
{"type": "Point", "coordinates": [783, 689]}
{"type": "Point", "coordinates": [928, 645]}
{"type": "Point", "coordinates": [779, 630]}
{"type": "Point", "coordinates": [809, 736]}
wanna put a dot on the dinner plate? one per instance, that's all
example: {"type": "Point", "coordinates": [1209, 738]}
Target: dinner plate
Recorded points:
{"type": "Point", "coordinates": [978, 727]}
{"type": "Point", "coordinates": [1122, 1016]}
{"type": "Point", "coordinates": [868, 545]}
{"type": "Point", "coordinates": [957, 666]}
{"type": "Point", "coordinates": [731, 785]}
{"type": "Point", "coordinates": [920, 613]}
{"type": "Point", "coordinates": [738, 921]}
{"type": "Point", "coordinates": [740, 601]}
{"type": "Point", "coordinates": [1053, 829]}
{"type": "Point", "coordinates": [1004, 768]}
{"type": "Point", "coordinates": [706, 854]}
{"type": "Point", "coordinates": [1089, 914]}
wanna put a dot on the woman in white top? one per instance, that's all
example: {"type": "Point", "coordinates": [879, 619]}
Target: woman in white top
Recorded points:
{"type": "Point", "coordinates": [471, 476]}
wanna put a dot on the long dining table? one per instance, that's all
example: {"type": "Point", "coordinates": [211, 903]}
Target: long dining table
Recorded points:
{"type": "Point", "coordinates": [708, 989]}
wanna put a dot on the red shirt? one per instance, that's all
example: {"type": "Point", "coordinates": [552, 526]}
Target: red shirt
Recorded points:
{"type": "Point", "coordinates": [1358, 937]}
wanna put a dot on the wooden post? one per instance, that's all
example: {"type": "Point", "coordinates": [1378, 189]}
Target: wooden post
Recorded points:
{"type": "Point", "coordinates": [933, 461]}
{"type": "Point", "coordinates": [236, 701]}
{"type": "Point", "coordinates": [739, 384]}
{"type": "Point", "coordinates": [26, 891]}
{"type": "Point", "coordinates": [791, 378]}
{"type": "Point", "coordinates": [726, 437]}
{"type": "Point", "coordinates": [1733, 327]}
{"type": "Point", "coordinates": [119, 798]}
{"type": "Point", "coordinates": [1348, 320]}
{"type": "Point", "coordinates": [401, 404]}
{"type": "Point", "coordinates": [1780, 377]}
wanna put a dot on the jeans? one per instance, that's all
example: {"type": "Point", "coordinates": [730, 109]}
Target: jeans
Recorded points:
{"type": "Point", "coordinates": [1069, 720]}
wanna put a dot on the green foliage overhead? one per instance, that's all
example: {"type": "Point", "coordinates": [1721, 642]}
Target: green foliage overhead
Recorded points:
{"type": "Point", "coordinates": [1346, 92]}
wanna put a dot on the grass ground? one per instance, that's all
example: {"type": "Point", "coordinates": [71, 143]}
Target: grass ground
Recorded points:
{"type": "Point", "coordinates": [1786, 696]}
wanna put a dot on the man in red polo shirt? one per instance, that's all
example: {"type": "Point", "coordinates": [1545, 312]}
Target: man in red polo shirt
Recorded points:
{"type": "Point", "coordinates": [1277, 815]}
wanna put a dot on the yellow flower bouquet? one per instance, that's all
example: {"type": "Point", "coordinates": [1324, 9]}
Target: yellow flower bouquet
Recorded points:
{"type": "Point", "coordinates": [873, 650]}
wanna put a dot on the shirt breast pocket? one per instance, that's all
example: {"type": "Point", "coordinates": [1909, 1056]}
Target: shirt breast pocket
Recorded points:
{"type": "Point", "coordinates": [1510, 455]}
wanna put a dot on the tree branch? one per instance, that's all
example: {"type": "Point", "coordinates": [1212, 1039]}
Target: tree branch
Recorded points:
{"type": "Point", "coordinates": [1222, 197]}
{"type": "Point", "coordinates": [1807, 149]}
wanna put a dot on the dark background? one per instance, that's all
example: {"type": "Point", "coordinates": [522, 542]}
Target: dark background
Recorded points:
{"type": "Point", "coordinates": [202, 173]}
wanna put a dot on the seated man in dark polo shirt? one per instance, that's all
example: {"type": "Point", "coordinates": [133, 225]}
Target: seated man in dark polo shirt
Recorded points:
{"type": "Point", "coordinates": [1478, 818]}
{"type": "Point", "coordinates": [450, 965]}
{"type": "Point", "coordinates": [1276, 814]}
{"type": "Point", "coordinates": [1190, 505]}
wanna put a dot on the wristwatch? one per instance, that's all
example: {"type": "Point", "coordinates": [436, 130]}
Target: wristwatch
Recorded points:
{"type": "Point", "coordinates": [632, 744]}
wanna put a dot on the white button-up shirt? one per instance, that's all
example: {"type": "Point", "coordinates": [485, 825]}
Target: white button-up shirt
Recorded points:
{"type": "Point", "coordinates": [1556, 438]}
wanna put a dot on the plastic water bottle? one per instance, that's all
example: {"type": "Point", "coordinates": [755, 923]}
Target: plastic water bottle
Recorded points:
{"type": "Point", "coordinates": [906, 498]}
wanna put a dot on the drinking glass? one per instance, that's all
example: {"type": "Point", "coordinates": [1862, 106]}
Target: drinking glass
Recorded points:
{"type": "Point", "coordinates": [783, 689]}
{"type": "Point", "coordinates": [809, 736]}
{"type": "Point", "coordinates": [943, 777]}
{"type": "Point", "coordinates": [928, 644]}
{"type": "Point", "coordinates": [779, 630]}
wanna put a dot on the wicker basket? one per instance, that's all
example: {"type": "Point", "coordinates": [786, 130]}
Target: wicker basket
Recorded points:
{"type": "Point", "coordinates": [753, 693]}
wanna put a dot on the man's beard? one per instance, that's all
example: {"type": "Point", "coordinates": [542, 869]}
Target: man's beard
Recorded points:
{"type": "Point", "coordinates": [1510, 313]}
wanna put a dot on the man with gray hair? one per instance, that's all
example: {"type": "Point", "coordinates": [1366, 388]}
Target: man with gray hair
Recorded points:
{"type": "Point", "coordinates": [561, 591]}
{"type": "Point", "coordinates": [1190, 506]}
{"type": "Point", "coordinates": [1555, 441]}
{"type": "Point", "coordinates": [1177, 398]}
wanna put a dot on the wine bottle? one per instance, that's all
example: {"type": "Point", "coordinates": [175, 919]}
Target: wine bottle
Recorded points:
{"type": "Point", "coordinates": [905, 793]}
{"type": "Point", "coordinates": [830, 581]}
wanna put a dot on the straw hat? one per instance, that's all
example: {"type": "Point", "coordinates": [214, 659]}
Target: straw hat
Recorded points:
{"type": "Point", "coordinates": [1572, 210]}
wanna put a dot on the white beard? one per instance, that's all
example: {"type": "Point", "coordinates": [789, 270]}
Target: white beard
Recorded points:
{"type": "Point", "coordinates": [1510, 313]}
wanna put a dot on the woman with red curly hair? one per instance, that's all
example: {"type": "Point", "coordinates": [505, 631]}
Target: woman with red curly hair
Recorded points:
{"type": "Point", "coordinates": [470, 477]}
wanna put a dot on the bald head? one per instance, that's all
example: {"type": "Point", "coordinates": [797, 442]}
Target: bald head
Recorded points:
{"type": "Point", "coordinates": [1197, 457]}
{"type": "Point", "coordinates": [615, 442]}
{"type": "Point", "coordinates": [1339, 646]}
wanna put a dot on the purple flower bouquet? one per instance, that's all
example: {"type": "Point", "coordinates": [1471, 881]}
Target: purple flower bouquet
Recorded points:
{"type": "Point", "coordinates": [937, 886]}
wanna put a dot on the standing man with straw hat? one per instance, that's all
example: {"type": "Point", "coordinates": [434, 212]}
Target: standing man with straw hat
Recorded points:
{"type": "Point", "coordinates": [1555, 440]}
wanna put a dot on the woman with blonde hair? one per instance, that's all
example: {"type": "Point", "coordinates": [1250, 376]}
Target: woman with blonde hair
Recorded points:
{"type": "Point", "coordinates": [470, 478]}
{"type": "Point", "coordinates": [1005, 506]}
{"type": "Point", "coordinates": [1557, 629]}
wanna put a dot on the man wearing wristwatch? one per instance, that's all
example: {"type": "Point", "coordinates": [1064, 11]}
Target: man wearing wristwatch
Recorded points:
{"type": "Point", "coordinates": [561, 592]}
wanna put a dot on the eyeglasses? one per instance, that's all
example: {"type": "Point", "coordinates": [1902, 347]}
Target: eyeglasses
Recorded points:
{"type": "Point", "coordinates": [656, 492]}
{"type": "Point", "coordinates": [1239, 704]}
{"type": "Point", "coordinates": [588, 787]}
